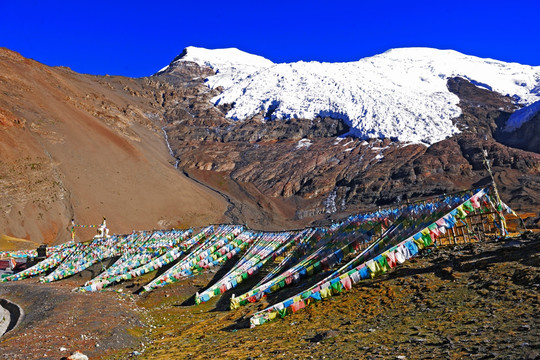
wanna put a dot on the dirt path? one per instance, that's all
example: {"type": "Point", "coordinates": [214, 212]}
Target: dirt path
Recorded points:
{"type": "Point", "coordinates": [233, 213]}
{"type": "Point", "coordinates": [55, 318]}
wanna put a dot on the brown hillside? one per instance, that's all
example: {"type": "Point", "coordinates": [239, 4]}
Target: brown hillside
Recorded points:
{"type": "Point", "coordinates": [74, 145]}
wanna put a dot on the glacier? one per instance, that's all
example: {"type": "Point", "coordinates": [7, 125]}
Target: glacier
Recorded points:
{"type": "Point", "coordinates": [521, 116]}
{"type": "Point", "coordinates": [400, 94]}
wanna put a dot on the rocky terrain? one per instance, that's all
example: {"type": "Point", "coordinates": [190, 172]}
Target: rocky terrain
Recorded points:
{"type": "Point", "coordinates": [58, 322]}
{"type": "Point", "coordinates": [86, 146]}
{"type": "Point", "coordinates": [467, 301]}
{"type": "Point", "coordinates": [306, 170]}
{"type": "Point", "coordinates": [157, 152]}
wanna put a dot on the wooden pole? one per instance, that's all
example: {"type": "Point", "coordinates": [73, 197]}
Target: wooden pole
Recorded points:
{"type": "Point", "coordinates": [504, 232]}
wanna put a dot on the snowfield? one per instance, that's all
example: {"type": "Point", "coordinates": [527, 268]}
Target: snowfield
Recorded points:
{"type": "Point", "coordinates": [400, 94]}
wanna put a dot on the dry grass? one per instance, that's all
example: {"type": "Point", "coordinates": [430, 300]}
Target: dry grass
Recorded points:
{"type": "Point", "coordinates": [8, 243]}
{"type": "Point", "coordinates": [478, 299]}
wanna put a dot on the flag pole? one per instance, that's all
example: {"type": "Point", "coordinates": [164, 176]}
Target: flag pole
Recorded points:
{"type": "Point", "coordinates": [504, 231]}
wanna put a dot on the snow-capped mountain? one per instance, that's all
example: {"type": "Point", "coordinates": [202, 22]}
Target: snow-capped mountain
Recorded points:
{"type": "Point", "coordinates": [399, 94]}
{"type": "Point", "coordinates": [230, 65]}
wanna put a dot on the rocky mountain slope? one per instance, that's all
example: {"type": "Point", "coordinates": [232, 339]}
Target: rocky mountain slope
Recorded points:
{"type": "Point", "coordinates": [85, 146]}
{"type": "Point", "coordinates": [309, 168]}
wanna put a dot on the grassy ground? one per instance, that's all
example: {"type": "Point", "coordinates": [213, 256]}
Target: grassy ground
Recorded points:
{"type": "Point", "coordinates": [8, 243]}
{"type": "Point", "coordinates": [469, 301]}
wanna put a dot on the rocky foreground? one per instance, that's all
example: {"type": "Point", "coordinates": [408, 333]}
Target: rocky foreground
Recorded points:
{"type": "Point", "coordinates": [478, 300]}
{"type": "Point", "coordinates": [467, 301]}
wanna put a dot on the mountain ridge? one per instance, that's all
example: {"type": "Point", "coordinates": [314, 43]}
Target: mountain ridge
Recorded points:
{"type": "Point", "coordinates": [377, 96]}
{"type": "Point", "coordinates": [87, 146]}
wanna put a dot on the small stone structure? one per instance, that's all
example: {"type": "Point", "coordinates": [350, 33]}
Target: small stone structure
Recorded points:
{"type": "Point", "coordinates": [10, 316]}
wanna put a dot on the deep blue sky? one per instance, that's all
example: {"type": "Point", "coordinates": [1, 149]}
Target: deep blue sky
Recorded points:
{"type": "Point", "coordinates": [137, 38]}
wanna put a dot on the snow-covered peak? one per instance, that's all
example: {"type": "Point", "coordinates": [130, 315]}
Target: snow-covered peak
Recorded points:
{"type": "Point", "coordinates": [223, 58]}
{"type": "Point", "coordinates": [513, 79]}
{"type": "Point", "coordinates": [230, 65]}
{"type": "Point", "coordinates": [399, 94]}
